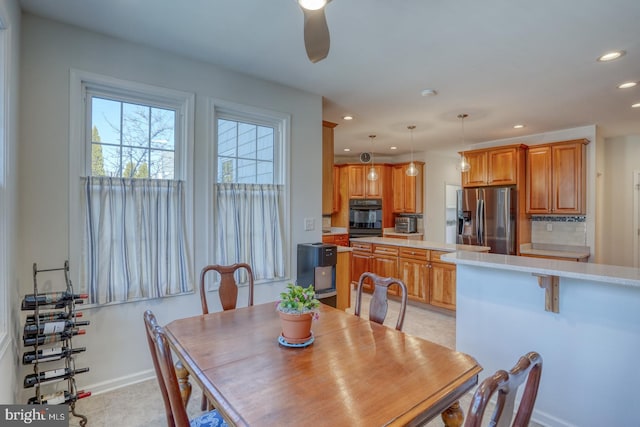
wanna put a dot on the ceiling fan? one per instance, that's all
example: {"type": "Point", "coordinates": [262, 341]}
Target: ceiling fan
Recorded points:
{"type": "Point", "coordinates": [316, 31]}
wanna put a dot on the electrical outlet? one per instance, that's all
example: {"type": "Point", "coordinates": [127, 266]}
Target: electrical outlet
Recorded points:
{"type": "Point", "coordinates": [549, 226]}
{"type": "Point", "coordinates": [309, 224]}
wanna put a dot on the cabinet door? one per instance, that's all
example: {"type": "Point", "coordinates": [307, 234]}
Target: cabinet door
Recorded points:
{"type": "Point", "coordinates": [327, 167]}
{"type": "Point", "coordinates": [502, 169]}
{"type": "Point", "coordinates": [336, 190]}
{"type": "Point", "coordinates": [341, 239]}
{"type": "Point", "coordinates": [477, 174]}
{"type": "Point", "coordinates": [360, 263]}
{"type": "Point", "coordinates": [331, 239]}
{"type": "Point", "coordinates": [567, 178]}
{"type": "Point", "coordinates": [386, 266]}
{"type": "Point", "coordinates": [539, 180]}
{"type": "Point", "coordinates": [415, 274]}
{"type": "Point", "coordinates": [443, 285]}
{"type": "Point", "coordinates": [373, 189]}
{"type": "Point", "coordinates": [356, 182]}
{"type": "Point", "coordinates": [397, 185]}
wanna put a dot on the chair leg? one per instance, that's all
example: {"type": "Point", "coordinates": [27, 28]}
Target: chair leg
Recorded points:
{"type": "Point", "coordinates": [183, 381]}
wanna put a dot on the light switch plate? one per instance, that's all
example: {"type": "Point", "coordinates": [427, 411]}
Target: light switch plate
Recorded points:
{"type": "Point", "coordinates": [549, 226]}
{"type": "Point", "coordinates": [309, 224]}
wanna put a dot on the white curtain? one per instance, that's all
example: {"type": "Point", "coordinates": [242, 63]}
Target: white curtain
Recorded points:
{"type": "Point", "coordinates": [134, 239]}
{"type": "Point", "coordinates": [249, 227]}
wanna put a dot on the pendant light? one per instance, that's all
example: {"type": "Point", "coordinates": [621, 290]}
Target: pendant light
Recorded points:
{"type": "Point", "coordinates": [373, 174]}
{"type": "Point", "coordinates": [412, 170]}
{"type": "Point", "coordinates": [464, 164]}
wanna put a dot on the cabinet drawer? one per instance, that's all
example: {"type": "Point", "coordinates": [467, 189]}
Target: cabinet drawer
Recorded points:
{"type": "Point", "coordinates": [420, 254]}
{"type": "Point", "coordinates": [435, 255]}
{"type": "Point", "coordinates": [360, 246]}
{"type": "Point", "coordinates": [385, 250]}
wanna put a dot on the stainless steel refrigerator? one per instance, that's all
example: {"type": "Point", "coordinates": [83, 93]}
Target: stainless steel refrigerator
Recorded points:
{"type": "Point", "coordinates": [487, 217]}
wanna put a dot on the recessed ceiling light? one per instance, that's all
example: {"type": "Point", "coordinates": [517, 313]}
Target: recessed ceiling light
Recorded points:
{"type": "Point", "coordinates": [610, 56]}
{"type": "Point", "coordinates": [393, 147]}
{"type": "Point", "coordinates": [347, 149]}
{"type": "Point", "coordinates": [429, 92]}
{"type": "Point", "coordinates": [518, 126]}
{"type": "Point", "coordinates": [627, 85]}
{"type": "Point", "coordinates": [347, 117]}
{"type": "Point", "coordinates": [636, 105]}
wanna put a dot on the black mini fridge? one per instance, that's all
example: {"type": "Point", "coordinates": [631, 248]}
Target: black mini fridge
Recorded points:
{"type": "Point", "coordinates": [317, 267]}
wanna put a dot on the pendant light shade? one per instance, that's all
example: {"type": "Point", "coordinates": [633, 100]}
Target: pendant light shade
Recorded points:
{"type": "Point", "coordinates": [373, 174]}
{"type": "Point", "coordinates": [412, 170]}
{"type": "Point", "coordinates": [464, 163]}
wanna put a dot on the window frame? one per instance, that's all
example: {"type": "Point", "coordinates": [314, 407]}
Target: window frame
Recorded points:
{"type": "Point", "coordinates": [80, 151]}
{"type": "Point", "coordinates": [5, 214]}
{"type": "Point", "coordinates": [281, 122]}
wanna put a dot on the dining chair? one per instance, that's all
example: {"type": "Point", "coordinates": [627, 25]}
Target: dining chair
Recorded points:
{"type": "Point", "coordinates": [506, 384]}
{"type": "Point", "coordinates": [228, 290]}
{"type": "Point", "coordinates": [228, 293]}
{"type": "Point", "coordinates": [163, 363]}
{"type": "Point", "coordinates": [379, 301]}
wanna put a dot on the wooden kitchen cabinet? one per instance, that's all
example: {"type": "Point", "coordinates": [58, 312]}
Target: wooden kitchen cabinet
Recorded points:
{"type": "Point", "coordinates": [361, 263]}
{"type": "Point", "coordinates": [327, 167]}
{"type": "Point", "coordinates": [336, 239]}
{"type": "Point", "coordinates": [413, 266]}
{"type": "Point", "coordinates": [556, 178]}
{"type": "Point", "coordinates": [336, 191]}
{"type": "Point", "coordinates": [494, 166]}
{"type": "Point", "coordinates": [356, 181]}
{"type": "Point", "coordinates": [408, 191]}
{"type": "Point", "coordinates": [362, 188]}
{"type": "Point", "coordinates": [385, 264]}
{"type": "Point", "coordinates": [442, 282]}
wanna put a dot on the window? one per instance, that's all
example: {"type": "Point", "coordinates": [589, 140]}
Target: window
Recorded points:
{"type": "Point", "coordinates": [5, 278]}
{"type": "Point", "coordinates": [133, 145]}
{"type": "Point", "coordinates": [249, 189]}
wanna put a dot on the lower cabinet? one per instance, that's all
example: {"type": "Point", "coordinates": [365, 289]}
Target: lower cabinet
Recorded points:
{"type": "Point", "coordinates": [361, 263]}
{"type": "Point", "coordinates": [443, 285]}
{"type": "Point", "coordinates": [385, 264]}
{"type": "Point", "coordinates": [413, 266]}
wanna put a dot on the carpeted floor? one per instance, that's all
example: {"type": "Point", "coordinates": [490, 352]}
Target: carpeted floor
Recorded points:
{"type": "Point", "coordinates": [140, 405]}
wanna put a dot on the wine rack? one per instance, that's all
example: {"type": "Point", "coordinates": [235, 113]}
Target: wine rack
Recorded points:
{"type": "Point", "coordinates": [53, 320]}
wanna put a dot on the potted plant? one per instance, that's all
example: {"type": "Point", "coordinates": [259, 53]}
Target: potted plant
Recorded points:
{"type": "Point", "coordinates": [297, 308]}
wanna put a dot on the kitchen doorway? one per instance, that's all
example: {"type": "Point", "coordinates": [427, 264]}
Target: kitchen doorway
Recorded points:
{"type": "Point", "coordinates": [450, 215]}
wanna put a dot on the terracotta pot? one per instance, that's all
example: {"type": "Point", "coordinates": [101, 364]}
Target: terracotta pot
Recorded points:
{"type": "Point", "coordinates": [296, 328]}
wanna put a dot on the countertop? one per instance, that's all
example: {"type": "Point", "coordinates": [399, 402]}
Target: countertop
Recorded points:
{"type": "Point", "coordinates": [405, 235]}
{"type": "Point", "coordinates": [421, 244]}
{"type": "Point", "coordinates": [334, 231]}
{"type": "Point", "coordinates": [613, 274]}
{"type": "Point", "coordinates": [559, 251]}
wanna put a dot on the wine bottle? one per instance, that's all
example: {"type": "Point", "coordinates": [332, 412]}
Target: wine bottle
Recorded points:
{"type": "Point", "coordinates": [52, 375]}
{"type": "Point", "coordinates": [57, 299]}
{"type": "Point", "coordinates": [48, 328]}
{"type": "Point", "coordinates": [47, 339]}
{"type": "Point", "coordinates": [52, 315]}
{"type": "Point", "coordinates": [49, 354]}
{"type": "Point", "coordinates": [58, 398]}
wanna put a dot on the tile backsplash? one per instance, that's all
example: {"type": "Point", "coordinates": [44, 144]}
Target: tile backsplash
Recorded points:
{"type": "Point", "coordinates": [560, 230]}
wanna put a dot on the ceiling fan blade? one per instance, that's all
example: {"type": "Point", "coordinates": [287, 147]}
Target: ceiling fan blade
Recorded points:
{"type": "Point", "coordinates": [316, 34]}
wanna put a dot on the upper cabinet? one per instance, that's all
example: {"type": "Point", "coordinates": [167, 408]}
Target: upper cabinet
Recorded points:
{"type": "Point", "coordinates": [556, 178]}
{"type": "Point", "coordinates": [327, 167]}
{"type": "Point", "coordinates": [494, 166]}
{"type": "Point", "coordinates": [362, 188]}
{"type": "Point", "coordinates": [407, 190]}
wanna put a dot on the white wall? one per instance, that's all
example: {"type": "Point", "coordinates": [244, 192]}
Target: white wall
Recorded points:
{"type": "Point", "coordinates": [439, 170]}
{"type": "Point", "coordinates": [10, 18]}
{"type": "Point", "coordinates": [621, 158]}
{"type": "Point", "coordinates": [117, 350]}
{"type": "Point", "coordinates": [589, 349]}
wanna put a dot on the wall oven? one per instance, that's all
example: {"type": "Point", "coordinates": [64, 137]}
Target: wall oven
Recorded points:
{"type": "Point", "coordinates": [365, 217]}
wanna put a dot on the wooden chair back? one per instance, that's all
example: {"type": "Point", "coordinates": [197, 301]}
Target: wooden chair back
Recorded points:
{"type": "Point", "coordinates": [379, 301]}
{"type": "Point", "coordinates": [151, 324]}
{"type": "Point", "coordinates": [163, 362]}
{"type": "Point", "coordinates": [529, 369]}
{"type": "Point", "coordinates": [228, 290]}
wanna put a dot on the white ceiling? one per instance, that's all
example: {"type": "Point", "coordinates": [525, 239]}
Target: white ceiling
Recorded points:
{"type": "Point", "coordinates": [501, 61]}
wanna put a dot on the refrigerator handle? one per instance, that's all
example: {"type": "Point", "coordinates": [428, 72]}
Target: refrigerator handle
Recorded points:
{"type": "Point", "coordinates": [481, 223]}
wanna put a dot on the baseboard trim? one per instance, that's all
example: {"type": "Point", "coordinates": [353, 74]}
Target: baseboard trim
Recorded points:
{"type": "Point", "coordinates": [548, 420]}
{"type": "Point", "coordinates": [114, 384]}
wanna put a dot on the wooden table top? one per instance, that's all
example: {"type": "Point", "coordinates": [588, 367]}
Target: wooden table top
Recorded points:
{"type": "Point", "coordinates": [356, 373]}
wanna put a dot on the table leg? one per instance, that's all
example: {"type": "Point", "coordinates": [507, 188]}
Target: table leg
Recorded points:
{"type": "Point", "coordinates": [183, 382]}
{"type": "Point", "coordinates": [453, 416]}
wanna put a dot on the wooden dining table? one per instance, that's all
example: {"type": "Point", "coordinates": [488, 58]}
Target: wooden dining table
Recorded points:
{"type": "Point", "coordinates": [355, 373]}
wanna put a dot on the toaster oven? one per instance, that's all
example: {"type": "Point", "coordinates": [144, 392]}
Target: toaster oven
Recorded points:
{"type": "Point", "coordinates": [405, 224]}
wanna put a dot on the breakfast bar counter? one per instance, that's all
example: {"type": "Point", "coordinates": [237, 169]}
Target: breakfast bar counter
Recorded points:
{"type": "Point", "coordinates": [420, 244]}
{"type": "Point", "coordinates": [583, 318]}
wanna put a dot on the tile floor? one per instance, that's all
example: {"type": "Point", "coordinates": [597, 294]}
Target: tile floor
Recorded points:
{"type": "Point", "coordinates": [140, 405]}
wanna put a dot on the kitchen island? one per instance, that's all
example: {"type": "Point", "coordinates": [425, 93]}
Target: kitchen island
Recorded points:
{"type": "Point", "coordinates": [417, 263]}
{"type": "Point", "coordinates": [583, 318]}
